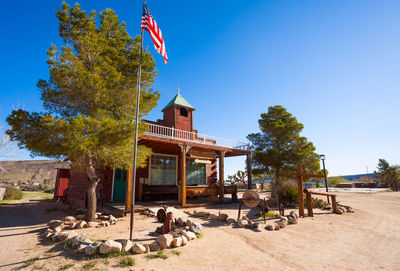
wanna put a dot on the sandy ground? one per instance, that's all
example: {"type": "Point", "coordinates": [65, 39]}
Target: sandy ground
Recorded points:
{"type": "Point", "coordinates": [368, 239]}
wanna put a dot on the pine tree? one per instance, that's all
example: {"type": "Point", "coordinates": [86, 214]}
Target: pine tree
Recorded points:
{"type": "Point", "coordinates": [278, 148]}
{"type": "Point", "coordinates": [89, 99]}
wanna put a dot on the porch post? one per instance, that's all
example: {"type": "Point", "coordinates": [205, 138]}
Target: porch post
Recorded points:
{"type": "Point", "coordinates": [128, 196]}
{"type": "Point", "coordinates": [248, 160]}
{"type": "Point", "coordinates": [182, 175]}
{"type": "Point", "coordinates": [221, 176]}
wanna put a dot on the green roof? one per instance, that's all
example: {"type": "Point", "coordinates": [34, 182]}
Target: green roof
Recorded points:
{"type": "Point", "coordinates": [178, 100]}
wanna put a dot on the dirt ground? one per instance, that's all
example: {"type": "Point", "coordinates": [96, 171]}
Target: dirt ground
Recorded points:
{"type": "Point", "coordinates": [368, 239]}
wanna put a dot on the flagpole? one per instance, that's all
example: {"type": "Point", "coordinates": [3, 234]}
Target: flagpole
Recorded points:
{"type": "Point", "coordinates": [136, 137]}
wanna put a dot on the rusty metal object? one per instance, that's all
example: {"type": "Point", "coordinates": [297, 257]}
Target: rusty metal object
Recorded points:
{"type": "Point", "coordinates": [251, 198]}
{"type": "Point", "coordinates": [162, 213]}
{"type": "Point", "coordinates": [168, 223]}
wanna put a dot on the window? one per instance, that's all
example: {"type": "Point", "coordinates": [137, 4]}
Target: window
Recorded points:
{"type": "Point", "coordinates": [184, 112]}
{"type": "Point", "coordinates": [163, 170]}
{"type": "Point", "coordinates": [196, 173]}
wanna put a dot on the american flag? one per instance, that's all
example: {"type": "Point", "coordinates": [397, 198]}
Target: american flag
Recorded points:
{"type": "Point", "coordinates": [149, 24]}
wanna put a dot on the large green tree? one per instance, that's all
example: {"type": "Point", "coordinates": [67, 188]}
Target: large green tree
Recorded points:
{"type": "Point", "coordinates": [89, 99]}
{"type": "Point", "coordinates": [388, 175]}
{"type": "Point", "coordinates": [278, 148]}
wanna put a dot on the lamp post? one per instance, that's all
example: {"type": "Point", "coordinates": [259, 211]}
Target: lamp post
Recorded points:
{"type": "Point", "coordinates": [322, 156]}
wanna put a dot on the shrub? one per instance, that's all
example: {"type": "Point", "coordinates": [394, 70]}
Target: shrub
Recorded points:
{"type": "Point", "coordinates": [317, 203]}
{"type": "Point", "coordinates": [128, 261]}
{"type": "Point", "coordinates": [160, 254]}
{"type": "Point", "coordinates": [286, 191]}
{"type": "Point", "coordinates": [269, 214]}
{"type": "Point", "coordinates": [12, 193]}
{"type": "Point", "coordinates": [89, 266]}
{"type": "Point", "coordinates": [199, 235]}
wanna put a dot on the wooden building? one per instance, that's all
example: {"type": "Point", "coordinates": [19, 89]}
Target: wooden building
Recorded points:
{"type": "Point", "coordinates": [183, 164]}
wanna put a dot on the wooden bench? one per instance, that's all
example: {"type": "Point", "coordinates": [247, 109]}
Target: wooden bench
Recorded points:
{"type": "Point", "coordinates": [211, 191]}
{"type": "Point", "coordinates": [149, 190]}
{"type": "Point", "coordinates": [191, 191]}
{"type": "Point", "coordinates": [309, 200]}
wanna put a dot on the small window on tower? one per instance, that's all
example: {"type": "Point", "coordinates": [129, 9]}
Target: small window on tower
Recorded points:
{"type": "Point", "coordinates": [184, 112]}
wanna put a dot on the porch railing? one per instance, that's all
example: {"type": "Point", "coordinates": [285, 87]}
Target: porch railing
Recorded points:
{"type": "Point", "coordinates": [172, 133]}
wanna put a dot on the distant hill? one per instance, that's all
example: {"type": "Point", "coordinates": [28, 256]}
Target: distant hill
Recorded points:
{"type": "Point", "coordinates": [356, 177]}
{"type": "Point", "coordinates": [36, 170]}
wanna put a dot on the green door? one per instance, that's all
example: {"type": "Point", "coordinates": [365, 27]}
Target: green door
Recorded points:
{"type": "Point", "coordinates": [119, 185]}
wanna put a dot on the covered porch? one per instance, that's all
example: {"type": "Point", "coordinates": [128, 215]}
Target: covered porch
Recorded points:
{"type": "Point", "coordinates": [192, 158]}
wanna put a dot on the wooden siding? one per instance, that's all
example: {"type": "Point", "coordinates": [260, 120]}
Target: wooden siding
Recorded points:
{"type": "Point", "coordinates": [76, 194]}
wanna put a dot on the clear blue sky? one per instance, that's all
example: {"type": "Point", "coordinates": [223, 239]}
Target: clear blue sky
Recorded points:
{"type": "Point", "coordinates": [334, 64]}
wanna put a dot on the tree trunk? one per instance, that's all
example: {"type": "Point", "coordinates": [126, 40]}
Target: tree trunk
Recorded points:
{"type": "Point", "coordinates": [91, 190]}
{"type": "Point", "coordinates": [91, 200]}
{"type": "Point", "coordinates": [277, 175]}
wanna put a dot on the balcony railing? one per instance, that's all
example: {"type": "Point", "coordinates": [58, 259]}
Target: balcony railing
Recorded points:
{"type": "Point", "coordinates": [172, 133]}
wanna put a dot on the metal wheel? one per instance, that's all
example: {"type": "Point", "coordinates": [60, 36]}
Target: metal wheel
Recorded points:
{"type": "Point", "coordinates": [161, 215]}
{"type": "Point", "coordinates": [251, 198]}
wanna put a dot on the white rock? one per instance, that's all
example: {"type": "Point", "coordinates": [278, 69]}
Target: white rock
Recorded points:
{"type": "Point", "coordinates": [110, 246]}
{"type": "Point", "coordinates": [112, 218]}
{"type": "Point", "coordinates": [138, 248]}
{"type": "Point", "coordinates": [190, 235]}
{"type": "Point", "coordinates": [177, 242]}
{"type": "Point", "coordinates": [196, 227]}
{"type": "Point", "coordinates": [81, 224]}
{"type": "Point", "coordinates": [284, 218]}
{"type": "Point", "coordinates": [80, 217]}
{"type": "Point", "coordinates": [294, 214]}
{"type": "Point", "coordinates": [276, 227]}
{"type": "Point", "coordinates": [69, 218]}
{"type": "Point", "coordinates": [57, 229]}
{"type": "Point", "coordinates": [184, 240]}
{"type": "Point", "coordinates": [165, 240]}
{"type": "Point", "coordinates": [91, 249]}
{"type": "Point", "coordinates": [293, 220]}
{"type": "Point", "coordinates": [147, 247]}
{"type": "Point", "coordinates": [126, 245]}
{"type": "Point", "coordinates": [80, 238]}
{"type": "Point", "coordinates": [70, 238]}
{"type": "Point", "coordinates": [230, 220]}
